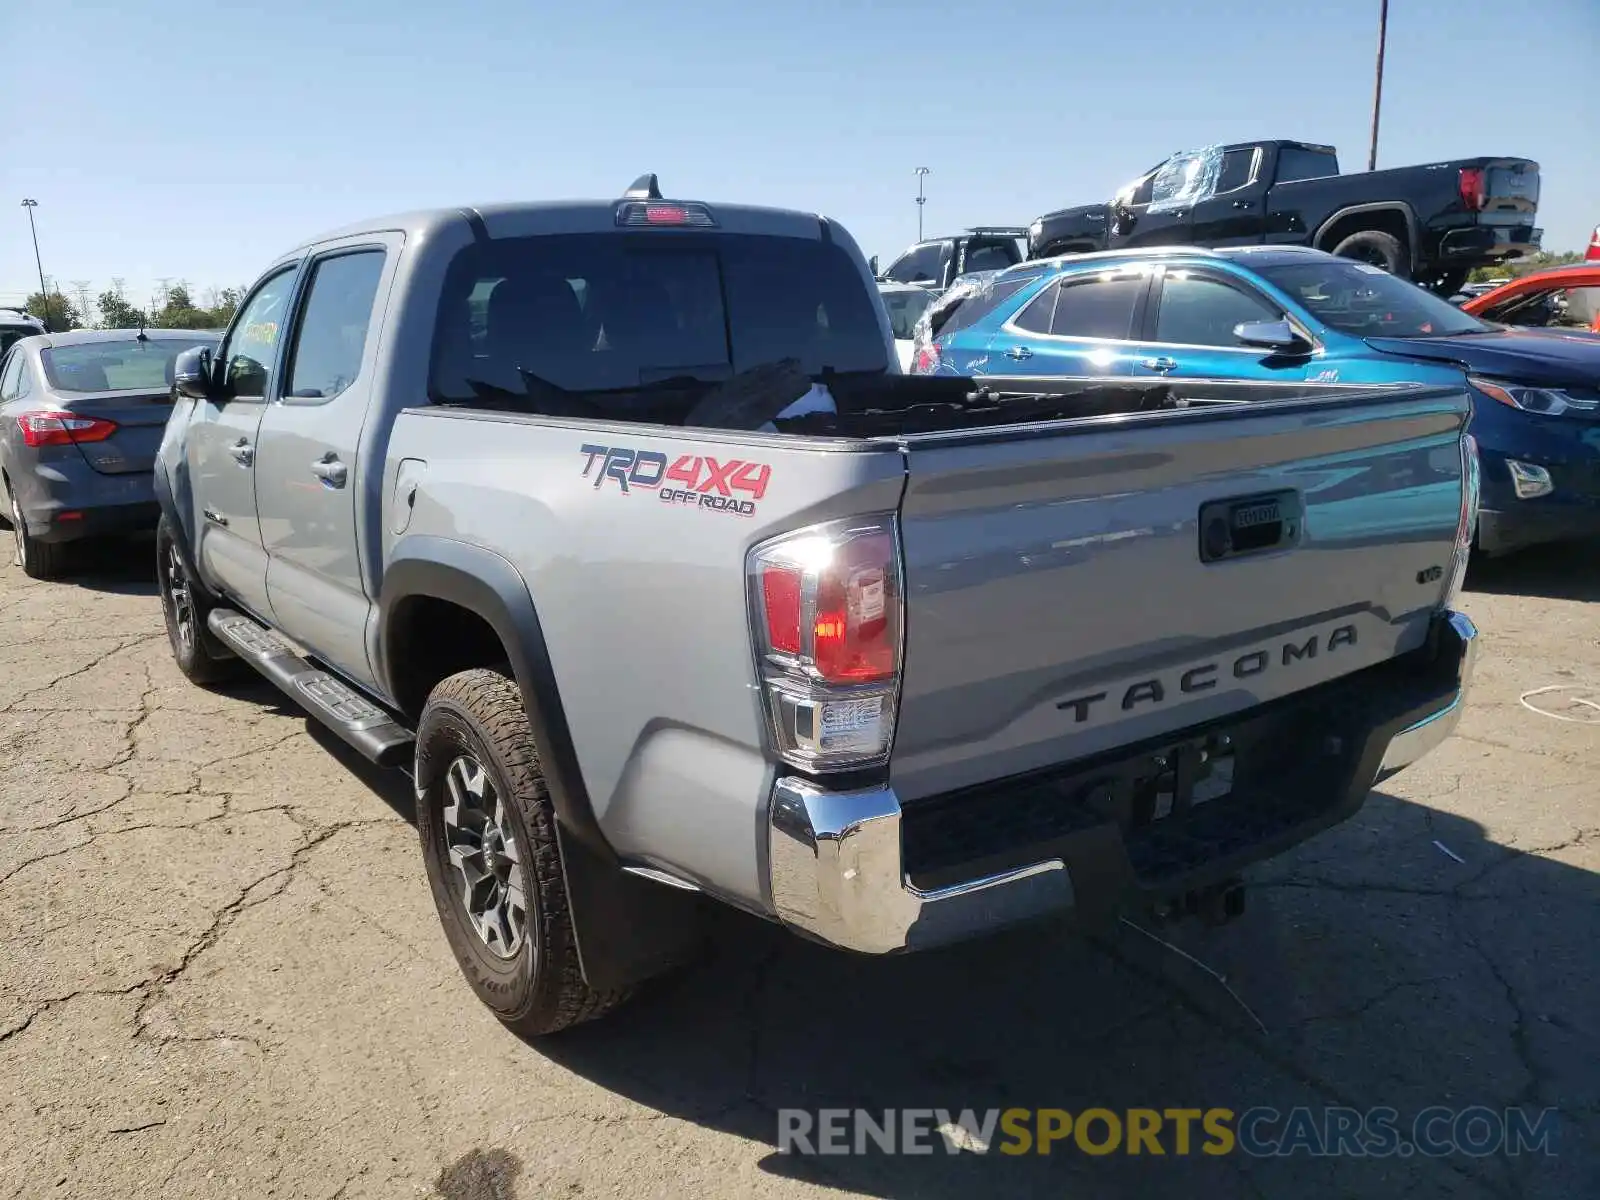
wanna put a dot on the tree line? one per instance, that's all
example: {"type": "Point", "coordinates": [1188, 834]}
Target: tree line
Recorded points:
{"type": "Point", "coordinates": [180, 311]}
{"type": "Point", "coordinates": [1519, 267]}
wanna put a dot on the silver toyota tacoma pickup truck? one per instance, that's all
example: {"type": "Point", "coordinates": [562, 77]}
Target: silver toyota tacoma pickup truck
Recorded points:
{"type": "Point", "coordinates": [614, 524]}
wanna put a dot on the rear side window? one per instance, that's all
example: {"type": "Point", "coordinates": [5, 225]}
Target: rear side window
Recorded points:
{"type": "Point", "coordinates": [1295, 163]}
{"type": "Point", "coordinates": [117, 366]}
{"type": "Point", "coordinates": [1196, 311]}
{"type": "Point", "coordinates": [1098, 307]}
{"type": "Point", "coordinates": [990, 256]}
{"type": "Point", "coordinates": [11, 378]}
{"type": "Point", "coordinates": [332, 335]}
{"type": "Point", "coordinates": [609, 312]}
{"type": "Point", "coordinates": [953, 317]}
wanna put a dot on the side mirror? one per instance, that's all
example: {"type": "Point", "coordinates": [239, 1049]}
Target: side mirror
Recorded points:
{"type": "Point", "coordinates": [1277, 336]}
{"type": "Point", "coordinates": [191, 373]}
{"type": "Point", "coordinates": [872, 265]}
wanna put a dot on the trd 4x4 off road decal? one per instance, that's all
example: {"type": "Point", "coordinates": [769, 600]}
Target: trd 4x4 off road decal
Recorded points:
{"type": "Point", "coordinates": [730, 485]}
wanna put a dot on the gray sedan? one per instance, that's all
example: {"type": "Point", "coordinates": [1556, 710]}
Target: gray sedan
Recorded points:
{"type": "Point", "coordinates": [81, 418]}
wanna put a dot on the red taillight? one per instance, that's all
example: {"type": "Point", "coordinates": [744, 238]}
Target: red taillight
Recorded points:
{"type": "Point", "coordinates": [854, 636]}
{"type": "Point", "coordinates": [62, 428]}
{"type": "Point", "coordinates": [1472, 183]}
{"type": "Point", "coordinates": [1593, 253]}
{"type": "Point", "coordinates": [926, 360]}
{"type": "Point", "coordinates": [780, 593]}
{"type": "Point", "coordinates": [827, 626]}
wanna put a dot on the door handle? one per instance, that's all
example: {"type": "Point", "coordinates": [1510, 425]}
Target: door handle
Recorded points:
{"type": "Point", "coordinates": [1159, 364]}
{"type": "Point", "coordinates": [1019, 352]}
{"type": "Point", "coordinates": [215, 517]}
{"type": "Point", "coordinates": [330, 470]}
{"type": "Point", "coordinates": [243, 453]}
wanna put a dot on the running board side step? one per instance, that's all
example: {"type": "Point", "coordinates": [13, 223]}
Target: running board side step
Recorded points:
{"type": "Point", "coordinates": [370, 731]}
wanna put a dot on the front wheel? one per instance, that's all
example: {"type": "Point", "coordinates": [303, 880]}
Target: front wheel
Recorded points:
{"type": "Point", "coordinates": [489, 843]}
{"type": "Point", "coordinates": [185, 608]}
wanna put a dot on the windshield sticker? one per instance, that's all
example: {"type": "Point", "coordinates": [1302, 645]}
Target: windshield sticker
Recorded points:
{"type": "Point", "coordinates": [697, 481]}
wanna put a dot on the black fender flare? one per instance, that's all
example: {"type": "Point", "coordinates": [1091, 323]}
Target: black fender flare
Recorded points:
{"type": "Point", "coordinates": [1413, 240]}
{"type": "Point", "coordinates": [627, 928]}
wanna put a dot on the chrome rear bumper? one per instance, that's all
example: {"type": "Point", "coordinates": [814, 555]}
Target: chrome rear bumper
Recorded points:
{"type": "Point", "coordinates": [837, 869]}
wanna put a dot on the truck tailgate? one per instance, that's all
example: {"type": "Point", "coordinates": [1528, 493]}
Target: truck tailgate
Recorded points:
{"type": "Point", "coordinates": [1064, 595]}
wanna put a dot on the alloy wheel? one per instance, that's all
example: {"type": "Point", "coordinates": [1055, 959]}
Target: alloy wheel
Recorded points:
{"type": "Point", "coordinates": [180, 597]}
{"type": "Point", "coordinates": [17, 532]}
{"type": "Point", "coordinates": [483, 849]}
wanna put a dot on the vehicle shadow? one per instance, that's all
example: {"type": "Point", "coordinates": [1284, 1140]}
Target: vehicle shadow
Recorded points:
{"type": "Point", "coordinates": [119, 566]}
{"type": "Point", "coordinates": [1562, 571]}
{"type": "Point", "coordinates": [1369, 969]}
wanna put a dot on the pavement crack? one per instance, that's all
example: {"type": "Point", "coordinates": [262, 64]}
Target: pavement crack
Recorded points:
{"type": "Point", "coordinates": [140, 1128]}
{"type": "Point", "coordinates": [252, 896]}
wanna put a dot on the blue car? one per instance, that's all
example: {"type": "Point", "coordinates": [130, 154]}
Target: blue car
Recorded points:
{"type": "Point", "coordinates": [1155, 318]}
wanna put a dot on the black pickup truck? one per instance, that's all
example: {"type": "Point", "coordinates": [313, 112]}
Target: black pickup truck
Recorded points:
{"type": "Point", "coordinates": [938, 262]}
{"type": "Point", "coordinates": [1430, 223]}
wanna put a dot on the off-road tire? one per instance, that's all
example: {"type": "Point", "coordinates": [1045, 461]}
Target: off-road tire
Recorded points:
{"type": "Point", "coordinates": [1380, 249]}
{"type": "Point", "coordinates": [480, 714]}
{"type": "Point", "coordinates": [38, 560]}
{"type": "Point", "coordinates": [200, 657]}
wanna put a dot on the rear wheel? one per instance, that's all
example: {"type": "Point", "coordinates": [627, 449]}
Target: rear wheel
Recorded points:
{"type": "Point", "coordinates": [489, 842]}
{"type": "Point", "coordinates": [1380, 249]}
{"type": "Point", "coordinates": [185, 608]}
{"type": "Point", "coordinates": [38, 560]}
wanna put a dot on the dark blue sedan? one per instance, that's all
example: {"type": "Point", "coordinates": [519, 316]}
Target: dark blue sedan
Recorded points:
{"type": "Point", "coordinates": [1158, 318]}
{"type": "Point", "coordinates": [81, 419]}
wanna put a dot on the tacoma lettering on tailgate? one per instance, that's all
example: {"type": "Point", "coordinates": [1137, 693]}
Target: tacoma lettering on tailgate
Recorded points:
{"type": "Point", "coordinates": [1203, 678]}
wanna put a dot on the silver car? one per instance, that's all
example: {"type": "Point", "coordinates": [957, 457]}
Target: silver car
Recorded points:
{"type": "Point", "coordinates": [81, 419]}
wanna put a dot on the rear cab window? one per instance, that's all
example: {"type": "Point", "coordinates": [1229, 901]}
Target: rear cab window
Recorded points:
{"type": "Point", "coordinates": [538, 317]}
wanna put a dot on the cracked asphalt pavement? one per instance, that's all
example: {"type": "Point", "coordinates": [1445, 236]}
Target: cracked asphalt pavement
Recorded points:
{"type": "Point", "coordinates": [222, 974]}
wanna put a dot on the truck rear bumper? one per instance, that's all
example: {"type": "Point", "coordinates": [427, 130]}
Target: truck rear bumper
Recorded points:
{"type": "Point", "coordinates": [857, 870]}
{"type": "Point", "coordinates": [1476, 242]}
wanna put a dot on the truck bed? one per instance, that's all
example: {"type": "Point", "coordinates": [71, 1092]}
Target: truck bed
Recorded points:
{"type": "Point", "coordinates": [1059, 600]}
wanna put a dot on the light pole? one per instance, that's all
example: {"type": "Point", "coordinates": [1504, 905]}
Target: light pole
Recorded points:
{"type": "Point", "coordinates": [1377, 87]}
{"type": "Point", "coordinates": [922, 173]}
{"type": "Point", "coordinates": [44, 292]}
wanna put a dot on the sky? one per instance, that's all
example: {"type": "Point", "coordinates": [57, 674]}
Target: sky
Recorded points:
{"type": "Point", "coordinates": [199, 144]}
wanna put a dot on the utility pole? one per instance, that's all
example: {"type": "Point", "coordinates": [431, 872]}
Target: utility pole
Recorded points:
{"type": "Point", "coordinates": [44, 292]}
{"type": "Point", "coordinates": [922, 173]}
{"type": "Point", "coordinates": [1377, 87]}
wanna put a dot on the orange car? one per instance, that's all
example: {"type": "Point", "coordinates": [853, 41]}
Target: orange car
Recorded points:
{"type": "Point", "coordinates": [1531, 300]}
